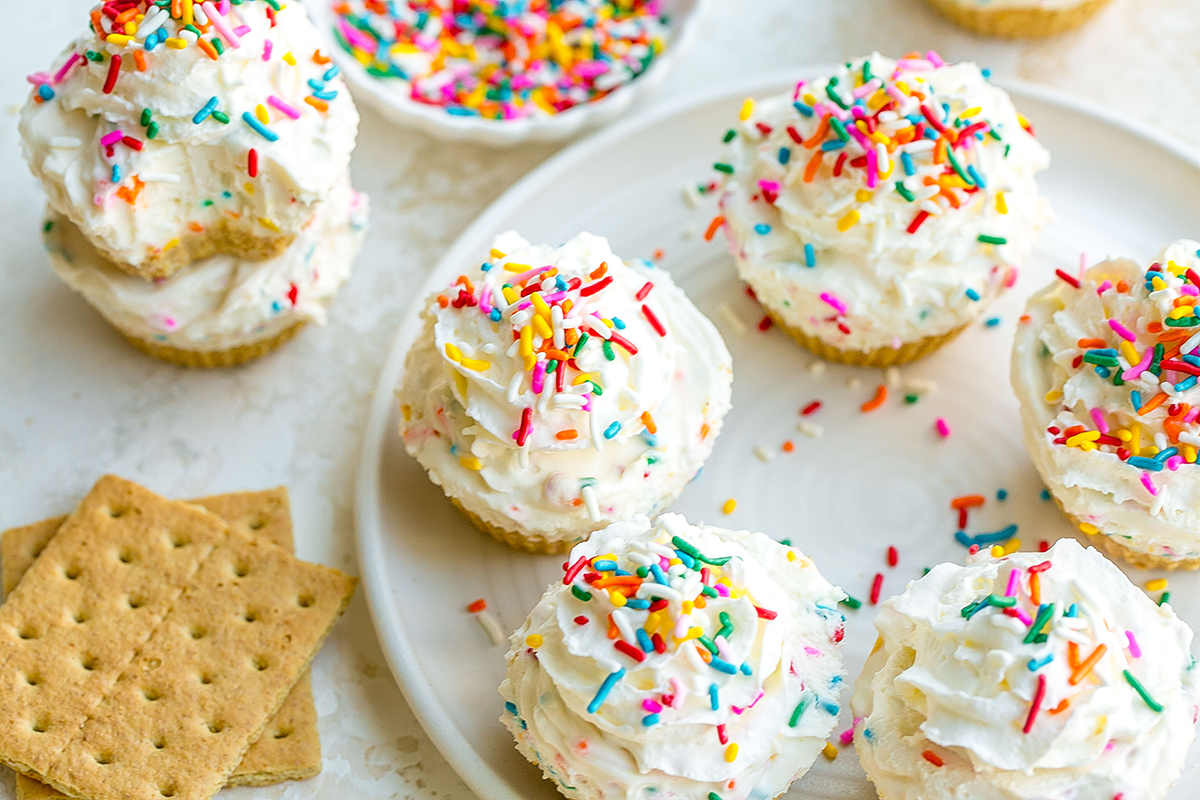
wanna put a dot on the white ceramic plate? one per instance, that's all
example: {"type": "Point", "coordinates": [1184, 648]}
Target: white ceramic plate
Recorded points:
{"type": "Point", "coordinates": [392, 101]}
{"type": "Point", "coordinates": [873, 480]}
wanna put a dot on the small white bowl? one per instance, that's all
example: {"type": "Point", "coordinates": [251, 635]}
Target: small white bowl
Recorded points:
{"type": "Point", "coordinates": [394, 103]}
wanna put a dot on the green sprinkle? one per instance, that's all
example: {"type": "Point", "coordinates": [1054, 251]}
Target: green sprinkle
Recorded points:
{"type": "Point", "coordinates": [839, 129]}
{"type": "Point", "coordinates": [708, 591]}
{"type": "Point", "coordinates": [1141, 690]}
{"type": "Point", "coordinates": [983, 237]}
{"type": "Point", "coordinates": [193, 29]}
{"type": "Point", "coordinates": [1101, 361]}
{"type": "Point", "coordinates": [911, 398]}
{"type": "Point", "coordinates": [608, 351]}
{"type": "Point", "coordinates": [642, 572]}
{"type": "Point", "coordinates": [729, 135]}
{"type": "Point", "coordinates": [583, 340]}
{"type": "Point", "coordinates": [217, 45]}
{"type": "Point", "coordinates": [152, 130]}
{"type": "Point", "coordinates": [1044, 614]}
{"type": "Point", "coordinates": [714, 796]}
{"type": "Point", "coordinates": [834, 95]}
{"type": "Point", "coordinates": [904, 192]}
{"type": "Point", "coordinates": [220, 116]}
{"type": "Point", "coordinates": [1182, 322]}
{"type": "Point", "coordinates": [726, 625]}
{"type": "Point", "coordinates": [721, 167]}
{"type": "Point", "coordinates": [580, 593]}
{"type": "Point", "coordinates": [684, 547]}
{"type": "Point", "coordinates": [146, 114]}
{"type": "Point", "coordinates": [1000, 602]}
{"type": "Point", "coordinates": [958, 167]}
{"type": "Point", "coordinates": [800, 709]}
{"type": "Point", "coordinates": [47, 226]}
{"type": "Point", "coordinates": [708, 644]}
{"type": "Point", "coordinates": [274, 4]}
{"type": "Point", "coordinates": [866, 71]}
{"type": "Point", "coordinates": [207, 203]}
{"type": "Point", "coordinates": [551, 365]}
{"type": "Point", "coordinates": [596, 390]}
{"type": "Point", "coordinates": [851, 602]}
{"type": "Point", "coordinates": [1166, 598]}
{"type": "Point", "coordinates": [92, 55]}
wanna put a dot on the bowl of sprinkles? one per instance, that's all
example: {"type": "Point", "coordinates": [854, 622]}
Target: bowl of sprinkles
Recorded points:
{"type": "Point", "coordinates": [501, 72]}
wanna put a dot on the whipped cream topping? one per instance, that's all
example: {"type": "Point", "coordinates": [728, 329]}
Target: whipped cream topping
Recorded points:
{"type": "Point", "coordinates": [221, 302]}
{"type": "Point", "coordinates": [1033, 675]}
{"type": "Point", "coordinates": [1106, 374]}
{"type": "Point", "coordinates": [674, 660]}
{"type": "Point", "coordinates": [889, 202]}
{"type": "Point", "coordinates": [144, 134]}
{"type": "Point", "coordinates": [556, 390]}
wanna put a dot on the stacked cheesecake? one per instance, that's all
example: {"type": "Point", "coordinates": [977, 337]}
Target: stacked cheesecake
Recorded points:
{"type": "Point", "coordinates": [195, 158]}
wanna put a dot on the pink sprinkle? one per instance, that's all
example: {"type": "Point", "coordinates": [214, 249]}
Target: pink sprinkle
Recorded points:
{"type": "Point", "coordinates": [872, 169]}
{"type": "Point", "coordinates": [1135, 372]}
{"type": "Point", "coordinates": [722, 589]}
{"type": "Point", "coordinates": [769, 186]}
{"type": "Point", "coordinates": [1098, 418]}
{"type": "Point", "coordinates": [1134, 650]}
{"type": "Point", "coordinates": [524, 276]}
{"type": "Point", "coordinates": [1121, 330]}
{"type": "Point", "coordinates": [485, 300]}
{"type": "Point", "coordinates": [111, 138]}
{"type": "Point", "coordinates": [895, 93]}
{"type": "Point", "coordinates": [870, 87]}
{"type": "Point", "coordinates": [935, 59]}
{"type": "Point", "coordinates": [538, 380]}
{"type": "Point", "coordinates": [1010, 277]}
{"type": "Point", "coordinates": [356, 37]}
{"type": "Point", "coordinates": [678, 692]}
{"type": "Point", "coordinates": [1021, 615]}
{"type": "Point", "coordinates": [267, 46]}
{"type": "Point", "coordinates": [284, 107]}
{"type": "Point", "coordinates": [1174, 463]}
{"type": "Point", "coordinates": [943, 427]}
{"type": "Point", "coordinates": [812, 651]}
{"type": "Point", "coordinates": [847, 736]}
{"type": "Point", "coordinates": [218, 21]}
{"type": "Point", "coordinates": [1104, 287]}
{"type": "Point", "coordinates": [242, 30]}
{"type": "Point", "coordinates": [652, 706]}
{"type": "Point", "coordinates": [1149, 484]}
{"type": "Point", "coordinates": [65, 68]}
{"type": "Point", "coordinates": [1192, 415]}
{"type": "Point", "coordinates": [1014, 580]}
{"type": "Point", "coordinates": [840, 307]}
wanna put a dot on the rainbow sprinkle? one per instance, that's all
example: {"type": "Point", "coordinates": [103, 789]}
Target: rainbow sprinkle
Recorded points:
{"type": "Point", "coordinates": [503, 60]}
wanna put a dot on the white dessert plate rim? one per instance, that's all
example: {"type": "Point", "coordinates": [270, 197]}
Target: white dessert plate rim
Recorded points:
{"type": "Point", "coordinates": [399, 649]}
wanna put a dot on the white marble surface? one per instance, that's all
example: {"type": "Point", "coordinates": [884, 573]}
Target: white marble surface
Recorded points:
{"type": "Point", "coordinates": [75, 401]}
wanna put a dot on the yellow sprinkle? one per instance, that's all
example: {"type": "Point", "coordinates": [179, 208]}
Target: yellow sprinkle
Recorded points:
{"type": "Point", "coordinates": [268, 224]}
{"type": "Point", "coordinates": [118, 39]}
{"type": "Point", "coordinates": [617, 598]}
{"type": "Point", "coordinates": [526, 348]}
{"type": "Point", "coordinates": [1135, 439]}
{"type": "Point", "coordinates": [1158, 283]}
{"type": "Point", "coordinates": [693, 633]}
{"type": "Point", "coordinates": [830, 751]}
{"type": "Point", "coordinates": [1130, 353]}
{"type": "Point", "coordinates": [539, 304]}
{"type": "Point", "coordinates": [510, 294]}
{"type": "Point", "coordinates": [863, 195]}
{"type": "Point", "coordinates": [261, 112]}
{"type": "Point", "coordinates": [1089, 528]}
{"type": "Point", "coordinates": [1080, 438]}
{"type": "Point", "coordinates": [176, 44]}
{"type": "Point", "coordinates": [747, 110]}
{"type": "Point", "coordinates": [970, 112]}
{"type": "Point", "coordinates": [1156, 585]}
{"type": "Point", "coordinates": [997, 551]}
{"type": "Point", "coordinates": [517, 267]}
{"type": "Point", "coordinates": [186, 16]}
{"type": "Point", "coordinates": [672, 562]}
{"type": "Point", "coordinates": [475, 364]}
{"type": "Point", "coordinates": [729, 506]}
{"type": "Point", "coordinates": [791, 555]}
{"type": "Point", "coordinates": [847, 222]}
{"type": "Point", "coordinates": [687, 604]}
{"type": "Point", "coordinates": [1001, 206]}
{"type": "Point", "coordinates": [530, 362]}
{"type": "Point", "coordinates": [289, 58]}
{"type": "Point", "coordinates": [1189, 453]}
{"type": "Point", "coordinates": [1012, 546]}
{"type": "Point", "coordinates": [406, 411]}
{"type": "Point", "coordinates": [1123, 435]}
{"type": "Point", "coordinates": [582, 377]}
{"type": "Point", "coordinates": [731, 752]}
{"type": "Point", "coordinates": [170, 244]}
{"type": "Point", "coordinates": [453, 353]}
{"type": "Point", "coordinates": [131, 26]}
{"type": "Point", "coordinates": [533, 640]}
{"type": "Point", "coordinates": [542, 327]}
{"type": "Point", "coordinates": [1053, 396]}
{"type": "Point", "coordinates": [878, 644]}
{"type": "Point", "coordinates": [471, 463]}
{"type": "Point", "coordinates": [494, 253]}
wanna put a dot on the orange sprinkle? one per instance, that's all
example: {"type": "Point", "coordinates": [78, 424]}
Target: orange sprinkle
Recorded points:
{"type": "Point", "coordinates": [814, 163]}
{"type": "Point", "coordinates": [817, 137]}
{"type": "Point", "coordinates": [932, 758]}
{"type": "Point", "coordinates": [617, 580]}
{"type": "Point", "coordinates": [1061, 707]}
{"type": "Point", "coordinates": [567, 435]}
{"type": "Point", "coordinates": [613, 631]}
{"type": "Point", "coordinates": [317, 103]}
{"type": "Point", "coordinates": [1086, 667]}
{"type": "Point", "coordinates": [1073, 655]}
{"type": "Point", "coordinates": [1152, 403]}
{"type": "Point", "coordinates": [704, 655]}
{"type": "Point", "coordinates": [466, 283]}
{"type": "Point", "coordinates": [599, 271]}
{"type": "Point", "coordinates": [704, 431]}
{"type": "Point", "coordinates": [443, 301]}
{"type": "Point", "coordinates": [139, 60]}
{"type": "Point", "coordinates": [196, 227]}
{"type": "Point", "coordinates": [208, 49]}
{"type": "Point", "coordinates": [318, 58]}
{"type": "Point", "coordinates": [478, 605]}
{"type": "Point", "coordinates": [1154, 327]}
{"type": "Point", "coordinates": [713, 227]}
{"type": "Point", "coordinates": [966, 501]}
{"type": "Point", "coordinates": [876, 401]}
{"type": "Point", "coordinates": [1087, 344]}
{"type": "Point", "coordinates": [648, 421]}
{"type": "Point", "coordinates": [1035, 588]}
{"type": "Point", "coordinates": [1122, 287]}
{"type": "Point", "coordinates": [96, 26]}
{"type": "Point", "coordinates": [788, 446]}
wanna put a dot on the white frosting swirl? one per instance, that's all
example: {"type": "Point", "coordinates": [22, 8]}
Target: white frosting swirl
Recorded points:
{"type": "Point", "coordinates": [872, 256]}
{"type": "Point", "coordinates": [623, 433]}
{"type": "Point", "coordinates": [191, 177]}
{"type": "Point", "coordinates": [221, 302]}
{"type": "Point", "coordinates": [955, 682]}
{"type": "Point", "coordinates": [669, 724]}
{"type": "Point", "coordinates": [1143, 490]}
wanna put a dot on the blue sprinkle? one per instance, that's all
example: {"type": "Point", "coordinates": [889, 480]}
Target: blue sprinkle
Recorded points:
{"type": "Point", "coordinates": [981, 539]}
{"type": "Point", "coordinates": [275, 307]}
{"type": "Point", "coordinates": [638, 603]}
{"type": "Point", "coordinates": [1037, 663]}
{"type": "Point", "coordinates": [659, 576]}
{"type": "Point", "coordinates": [1193, 360]}
{"type": "Point", "coordinates": [612, 430]}
{"type": "Point", "coordinates": [259, 128]}
{"type": "Point", "coordinates": [1141, 462]}
{"type": "Point", "coordinates": [1072, 611]}
{"type": "Point", "coordinates": [649, 438]}
{"type": "Point", "coordinates": [604, 689]}
{"type": "Point", "coordinates": [803, 108]}
{"type": "Point", "coordinates": [963, 539]}
{"type": "Point", "coordinates": [1103, 372]}
{"type": "Point", "coordinates": [650, 719]}
{"type": "Point", "coordinates": [687, 560]}
{"type": "Point", "coordinates": [204, 113]}
{"type": "Point", "coordinates": [326, 95]}
{"type": "Point", "coordinates": [560, 284]}
{"type": "Point", "coordinates": [723, 666]}
{"type": "Point", "coordinates": [976, 177]}
{"type": "Point", "coordinates": [316, 85]}
{"type": "Point", "coordinates": [909, 167]}
{"type": "Point", "coordinates": [331, 73]}
{"type": "Point", "coordinates": [1045, 494]}
{"type": "Point", "coordinates": [986, 73]}
{"type": "Point", "coordinates": [992, 322]}
{"type": "Point", "coordinates": [644, 641]}
{"type": "Point", "coordinates": [495, 315]}
{"type": "Point", "coordinates": [1002, 494]}
{"type": "Point", "coordinates": [810, 256]}
{"type": "Point", "coordinates": [831, 145]}
{"type": "Point", "coordinates": [835, 680]}
{"type": "Point", "coordinates": [785, 155]}
{"type": "Point", "coordinates": [745, 668]}
{"type": "Point", "coordinates": [974, 295]}
{"type": "Point", "coordinates": [151, 42]}
{"type": "Point", "coordinates": [1186, 383]}
{"type": "Point", "coordinates": [831, 709]}
{"type": "Point", "coordinates": [1136, 398]}
{"type": "Point", "coordinates": [618, 323]}
{"type": "Point", "coordinates": [762, 229]}
{"type": "Point", "coordinates": [116, 173]}
{"type": "Point", "coordinates": [606, 565]}
{"type": "Point", "coordinates": [512, 708]}
{"type": "Point", "coordinates": [45, 92]}
{"type": "Point", "coordinates": [459, 111]}
{"type": "Point", "coordinates": [713, 699]}
{"type": "Point", "coordinates": [1163, 455]}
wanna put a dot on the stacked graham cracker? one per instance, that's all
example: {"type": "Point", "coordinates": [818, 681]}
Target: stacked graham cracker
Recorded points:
{"type": "Point", "coordinates": [153, 649]}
